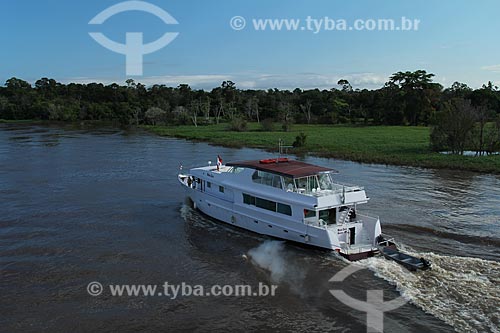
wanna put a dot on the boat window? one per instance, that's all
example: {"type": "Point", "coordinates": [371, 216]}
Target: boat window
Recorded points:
{"type": "Point", "coordinates": [277, 181]}
{"type": "Point", "coordinates": [301, 183]}
{"type": "Point", "coordinates": [325, 181]}
{"type": "Point", "coordinates": [221, 189]}
{"type": "Point", "coordinates": [265, 204]}
{"type": "Point", "coordinates": [284, 209]}
{"type": "Point", "coordinates": [237, 170]}
{"type": "Point", "coordinates": [309, 213]}
{"type": "Point", "coordinates": [288, 182]}
{"type": "Point", "coordinates": [328, 215]}
{"type": "Point", "coordinates": [266, 178]}
{"type": "Point", "coordinates": [307, 184]}
{"type": "Point", "coordinates": [209, 184]}
{"type": "Point", "coordinates": [256, 176]}
{"type": "Point", "coordinates": [248, 199]}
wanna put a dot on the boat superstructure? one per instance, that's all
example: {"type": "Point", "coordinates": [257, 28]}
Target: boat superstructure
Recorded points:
{"type": "Point", "coordinates": [287, 199]}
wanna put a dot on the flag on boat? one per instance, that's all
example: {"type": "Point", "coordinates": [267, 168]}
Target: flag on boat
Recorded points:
{"type": "Point", "coordinates": [219, 162]}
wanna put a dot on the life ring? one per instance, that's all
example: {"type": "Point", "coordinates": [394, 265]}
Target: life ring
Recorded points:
{"type": "Point", "coordinates": [274, 160]}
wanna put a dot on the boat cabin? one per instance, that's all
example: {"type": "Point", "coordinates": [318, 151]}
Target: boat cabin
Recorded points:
{"type": "Point", "coordinates": [326, 201]}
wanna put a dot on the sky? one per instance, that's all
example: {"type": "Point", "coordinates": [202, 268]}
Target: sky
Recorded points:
{"type": "Point", "coordinates": [457, 40]}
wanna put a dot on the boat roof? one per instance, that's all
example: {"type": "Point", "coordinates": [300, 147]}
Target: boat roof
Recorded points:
{"type": "Point", "coordinates": [284, 167]}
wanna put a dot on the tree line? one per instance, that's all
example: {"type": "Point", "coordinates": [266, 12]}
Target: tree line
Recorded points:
{"type": "Point", "coordinates": [407, 98]}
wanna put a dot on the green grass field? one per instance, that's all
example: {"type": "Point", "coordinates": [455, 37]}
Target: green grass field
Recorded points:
{"type": "Point", "coordinates": [397, 145]}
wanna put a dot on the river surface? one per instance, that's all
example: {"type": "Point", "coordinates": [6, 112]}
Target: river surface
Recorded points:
{"type": "Point", "coordinates": [85, 205]}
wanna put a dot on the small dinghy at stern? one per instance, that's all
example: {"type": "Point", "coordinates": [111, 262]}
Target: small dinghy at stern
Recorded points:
{"type": "Point", "coordinates": [409, 262]}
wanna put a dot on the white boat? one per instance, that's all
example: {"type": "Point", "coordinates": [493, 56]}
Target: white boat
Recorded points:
{"type": "Point", "coordinates": [286, 199]}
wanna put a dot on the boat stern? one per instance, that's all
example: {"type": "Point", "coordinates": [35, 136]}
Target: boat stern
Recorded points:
{"type": "Point", "coordinates": [358, 252]}
{"type": "Point", "coordinates": [357, 239]}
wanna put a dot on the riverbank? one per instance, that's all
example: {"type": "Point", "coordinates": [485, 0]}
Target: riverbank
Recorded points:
{"type": "Point", "coordinates": [19, 121]}
{"type": "Point", "coordinates": [394, 145]}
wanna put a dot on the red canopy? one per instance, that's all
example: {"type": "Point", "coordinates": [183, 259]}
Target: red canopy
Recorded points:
{"type": "Point", "coordinates": [289, 168]}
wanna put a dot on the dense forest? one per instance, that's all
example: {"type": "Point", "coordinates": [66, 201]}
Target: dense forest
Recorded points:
{"type": "Point", "coordinates": [408, 98]}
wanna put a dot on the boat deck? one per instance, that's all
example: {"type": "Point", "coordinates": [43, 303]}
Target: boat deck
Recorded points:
{"type": "Point", "coordinates": [357, 248]}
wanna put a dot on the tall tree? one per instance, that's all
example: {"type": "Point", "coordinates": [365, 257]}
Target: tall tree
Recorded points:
{"type": "Point", "coordinates": [418, 92]}
{"type": "Point", "coordinates": [346, 86]}
{"type": "Point", "coordinates": [453, 126]}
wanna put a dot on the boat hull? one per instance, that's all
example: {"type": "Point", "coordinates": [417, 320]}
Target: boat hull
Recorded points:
{"type": "Point", "coordinates": [240, 216]}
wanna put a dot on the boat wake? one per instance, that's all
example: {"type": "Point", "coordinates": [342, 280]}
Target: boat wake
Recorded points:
{"type": "Point", "coordinates": [463, 292]}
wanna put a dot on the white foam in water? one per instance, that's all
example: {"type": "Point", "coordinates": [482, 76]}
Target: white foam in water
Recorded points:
{"type": "Point", "coordinates": [270, 256]}
{"type": "Point", "coordinates": [185, 212]}
{"type": "Point", "coordinates": [463, 292]}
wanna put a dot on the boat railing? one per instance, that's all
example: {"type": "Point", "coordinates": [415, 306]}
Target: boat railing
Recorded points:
{"type": "Point", "coordinates": [367, 217]}
{"type": "Point", "coordinates": [318, 223]}
{"type": "Point", "coordinates": [356, 248]}
{"type": "Point", "coordinates": [336, 189]}
{"type": "Point", "coordinates": [348, 185]}
{"type": "Point", "coordinates": [342, 220]}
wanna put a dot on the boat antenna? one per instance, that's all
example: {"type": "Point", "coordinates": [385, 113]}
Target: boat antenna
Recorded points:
{"type": "Point", "coordinates": [280, 144]}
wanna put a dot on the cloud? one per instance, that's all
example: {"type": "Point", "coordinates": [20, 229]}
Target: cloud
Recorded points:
{"type": "Point", "coordinates": [311, 81]}
{"type": "Point", "coordinates": [367, 79]}
{"type": "Point", "coordinates": [491, 68]}
{"type": "Point", "coordinates": [195, 81]}
{"type": "Point", "coordinates": [212, 80]}
{"type": "Point", "coordinates": [252, 80]}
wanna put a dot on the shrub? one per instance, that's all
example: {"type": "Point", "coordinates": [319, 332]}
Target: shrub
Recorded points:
{"type": "Point", "coordinates": [155, 115]}
{"type": "Point", "coordinates": [267, 125]}
{"type": "Point", "coordinates": [238, 125]}
{"type": "Point", "coordinates": [286, 125]}
{"type": "Point", "coordinates": [300, 140]}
